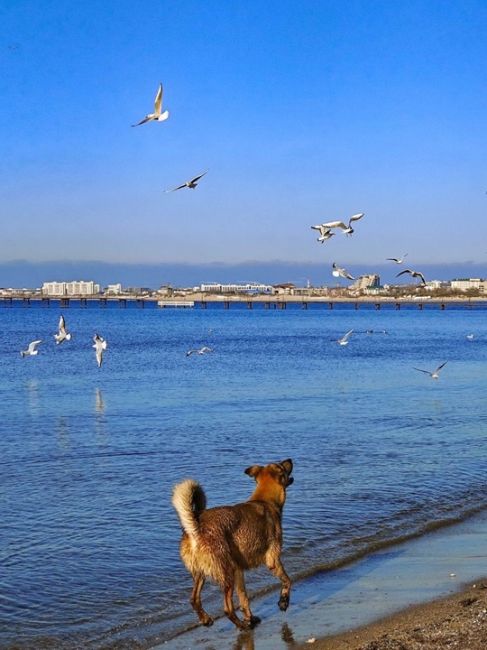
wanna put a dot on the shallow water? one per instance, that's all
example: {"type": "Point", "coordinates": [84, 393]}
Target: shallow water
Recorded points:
{"type": "Point", "coordinates": [89, 544]}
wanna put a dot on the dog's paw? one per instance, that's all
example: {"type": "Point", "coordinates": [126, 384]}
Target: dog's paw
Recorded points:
{"type": "Point", "coordinates": [207, 621]}
{"type": "Point", "coordinates": [253, 621]}
{"type": "Point", "coordinates": [283, 602]}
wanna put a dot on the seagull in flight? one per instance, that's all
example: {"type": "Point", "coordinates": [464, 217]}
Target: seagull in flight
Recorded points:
{"type": "Point", "coordinates": [435, 374]}
{"type": "Point", "coordinates": [339, 272]}
{"type": "Point", "coordinates": [191, 184]}
{"type": "Point", "coordinates": [325, 232]}
{"type": "Point", "coordinates": [202, 350]}
{"type": "Point", "coordinates": [397, 260]}
{"type": "Point", "coordinates": [414, 274]}
{"type": "Point", "coordinates": [100, 345]}
{"type": "Point", "coordinates": [62, 334]}
{"type": "Point", "coordinates": [32, 350]}
{"type": "Point", "coordinates": [345, 228]}
{"type": "Point", "coordinates": [345, 337]}
{"type": "Point", "coordinates": [156, 116]}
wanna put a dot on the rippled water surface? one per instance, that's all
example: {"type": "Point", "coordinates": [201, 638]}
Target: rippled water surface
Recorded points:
{"type": "Point", "coordinates": [89, 540]}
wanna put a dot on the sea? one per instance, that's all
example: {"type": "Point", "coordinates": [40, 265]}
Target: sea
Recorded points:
{"type": "Point", "coordinates": [89, 541]}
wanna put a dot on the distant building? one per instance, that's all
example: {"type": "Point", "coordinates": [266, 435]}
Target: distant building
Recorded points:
{"type": "Point", "coordinates": [75, 288]}
{"type": "Point", "coordinates": [114, 289]}
{"type": "Point", "coordinates": [251, 287]}
{"type": "Point", "coordinates": [464, 284]}
{"type": "Point", "coordinates": [371, 281]}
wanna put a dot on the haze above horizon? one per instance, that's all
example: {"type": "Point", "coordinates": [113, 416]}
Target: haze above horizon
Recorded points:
{"type": "Point", "coordinates": [300, 114]}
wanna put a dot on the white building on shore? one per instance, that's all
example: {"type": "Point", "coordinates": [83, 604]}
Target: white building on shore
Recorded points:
{"type": "Point", "coordinates": [251, 287]}
{"type": "Point", "coordinates": [74, 288]}
{"type": "Point", "coordinates": [464, 284]}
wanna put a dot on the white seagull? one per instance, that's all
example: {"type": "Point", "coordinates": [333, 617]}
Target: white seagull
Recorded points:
{"type": "Point", "coordinates": [100, 345]}
{"type": "Point", "coordinates": [435, 374]}
{"type": "Point", "coordinates": [202, 350]}
{"type": "Point", "coordinates": [325, 233]}
{"type": "Point", "coordinates": [156, 116]}
{"type": "Point", "coordinates": [32, 350]}
{"type": "Point", "coordinates": [62, 335]}
{"type": "Point", "coordinates": [346, 228]}
{"type": "Point", "coordinates": [345, 337]}
{"type": "Point", "coordinates": [191, 184]}
{"type": "Point", "coordinates": [470, 337]}
{"type": "Point", "coordinates": [339, 272]}
{"type": "Point", "coordinates": [397, 260]}
{"type": "Point", "coordinates": [414, 274]}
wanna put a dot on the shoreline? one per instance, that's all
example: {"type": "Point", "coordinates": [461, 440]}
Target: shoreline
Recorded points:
{"type": "Point", "coordinates": [343, 609]}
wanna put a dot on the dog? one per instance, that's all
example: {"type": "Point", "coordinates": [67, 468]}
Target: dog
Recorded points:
{"type": "Point", "coordinates": [222, 542]}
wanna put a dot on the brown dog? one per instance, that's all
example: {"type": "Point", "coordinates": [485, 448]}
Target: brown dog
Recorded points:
{"type": "Point", "coordinates": [222, 542]}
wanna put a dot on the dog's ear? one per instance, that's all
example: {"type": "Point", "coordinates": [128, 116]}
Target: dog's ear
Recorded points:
{"type": "Point", "coordinates": [253, 470]}
{"type": "Point", "coordinates": [288, 465]}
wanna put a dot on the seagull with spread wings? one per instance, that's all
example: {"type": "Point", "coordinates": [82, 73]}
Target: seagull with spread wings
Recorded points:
{"type": "Point", "coordinates": [32, 350]}
{"type": "Point", "coordinates": [62, 334]}
{"type": "Point", "coordinates": [100, 346]}
{"type": "Point", "coordinates": [413, 274]}
{"type": "Point", "coordinates": [340, 272]}
{"type": "Point", "coordinates": [157, 115]}
{"type": "Point", "coordinates": [397, 260]}
{"type": "Point", "coordinates": [345, 338]}
{"type": "Point", "coordinates": [345, 228]}
{"type": "Point", "coordinates": [202, 350]}
{"type": "Point", "coordinates": [435, 374]}
{"type": "Point", "coordinates": [325, 233]}
{"type": "Point", "coordinates": [192, 184]}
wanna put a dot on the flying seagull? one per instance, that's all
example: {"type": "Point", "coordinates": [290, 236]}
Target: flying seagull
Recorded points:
{"type": "Point", "coordinates": [100, 345]}
{"type": "Point", "coordinates": [435, 374]}
{"type": "Point", "coordinates": [414, 274]}
{"type": "Point", "coordinates": [345, 337]}
{"type": "Point", "coordinates": [32, 350]}
{"type": "Point", "coordinates": [191, 184]}
{"type": "Point", "coordinates": [325, 233]}
{"type": "Point", "coordinates": [202, 350]}
{"type": "Point", "coordinates": [62, 335]}
{"type": "Point", "coordinates": [397, 260]}
{"type": "Point", "coordinates": [156, 116]}
{"type": "Point", "coordinates": [339, 272]}
{"type": "Point", "coordinates": [346, 228]}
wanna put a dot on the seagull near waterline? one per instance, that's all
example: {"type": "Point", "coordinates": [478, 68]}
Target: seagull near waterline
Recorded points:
{"type": "Point", "coordinates": [100, 345]}
{"type": "Point", "coordinates": [156, 116]}
{"type": "Point", "coordinates": [397, 260]}
{"type": "Point", "coordinates": [32, 350]}
{"type": "Point", "coordinates": [470, 337]}
{"type": "Point", "coordinates": [325, 233]}
{"type": "Point", "coordinates": [340, 272]}
{"type": "Point", "coordinates": [435, 374]}
{"type": "Point", "coordinates": [192, 184]}
{"type": "Point", "coordinates": [414, 274]}
{"type": "Point", "coordinates": [345, 337]}
{"type": "Point", "coordinates": [346, 229]}
{"type": "Point", "coordinates": [202, 350]}
{"type": "Point", "coordinates": [62, 334]}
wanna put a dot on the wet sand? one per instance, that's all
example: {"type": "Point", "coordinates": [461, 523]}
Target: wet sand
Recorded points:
{"type": "Point", "coordinates": [338, 608]}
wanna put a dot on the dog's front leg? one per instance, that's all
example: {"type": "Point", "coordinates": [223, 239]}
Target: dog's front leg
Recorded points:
{"type": "Point", "coordinates": [274, 564]}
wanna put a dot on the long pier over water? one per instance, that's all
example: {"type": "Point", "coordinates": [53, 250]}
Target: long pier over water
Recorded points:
{"type": "Point", "coordinates": [202, 301]}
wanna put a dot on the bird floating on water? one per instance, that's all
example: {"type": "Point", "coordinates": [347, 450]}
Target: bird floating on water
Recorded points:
{"type": "Point", "coordinates": [340, 272]}
{"type": "Point", "coordinates": [100, 345]}
{"type": "Point", "coordinates": [470, 337]}
{"type": "Point", "coordinates": [32, 350]}
{"type": "Point", "coordinates": [345, 337]}
{"type": "Point", "coordinates": [325, 233]}
{"type": "Point", "coordinates": [192, 184]}
{"type": "Point", "coordinates": [157, 115]}
{"type": "Point", "coordinates": [397, 260]}
{"type": "Point", "coordinates": [202, 350]}
{"type": "Point", "coordinates": [345, 228]}
{"type": "Point", "coordinates": [414, 274]}
{"type": "Point", "coordinates": [62, 334]}
{"type": "Point", "coordinates": [435, 374]}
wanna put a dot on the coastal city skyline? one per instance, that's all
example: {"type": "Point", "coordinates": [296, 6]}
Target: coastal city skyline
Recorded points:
{"type": "Point", "coordinates": [381, 106]}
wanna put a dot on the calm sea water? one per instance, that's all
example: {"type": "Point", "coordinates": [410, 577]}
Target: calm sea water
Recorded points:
{"type": "Point", "coordinates": [89, 540]}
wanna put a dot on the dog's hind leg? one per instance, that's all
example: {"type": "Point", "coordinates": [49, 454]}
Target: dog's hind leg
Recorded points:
{"type": "Point", "coordinates": [244, 599]}
{"type": "Point", "coordinates": [274, 564]}
{"type": "Point", "coordinates": [229, 607]}
{"type": "Point", "coordinates": [199, 581]}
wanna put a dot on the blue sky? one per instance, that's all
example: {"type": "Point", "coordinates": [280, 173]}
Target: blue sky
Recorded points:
{"type": "Point", "coordinates": [301, 112]}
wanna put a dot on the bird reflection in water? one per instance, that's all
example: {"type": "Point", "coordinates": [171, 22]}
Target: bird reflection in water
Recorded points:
{"type": "Point", "coordinates": [100, 422]}
{"type": "Point", "coordinates": [32, 388]}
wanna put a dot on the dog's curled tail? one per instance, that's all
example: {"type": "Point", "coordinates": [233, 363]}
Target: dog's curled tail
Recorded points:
{"type": "Point", "coordinates": [189, 500]}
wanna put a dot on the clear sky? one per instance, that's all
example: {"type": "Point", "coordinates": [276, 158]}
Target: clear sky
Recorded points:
{"type": "Point", "coordinates": [301, 111]}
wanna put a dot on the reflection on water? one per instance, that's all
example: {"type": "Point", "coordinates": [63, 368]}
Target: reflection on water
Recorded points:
{"type": "Point", "coordinates": [99, 402]}
{"type": "Point", "coordinates": [63, 433]}
{"type": "Point", "coordinates": [100, 422]}
{"type": "Point", "coordinates": [32, 390]}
